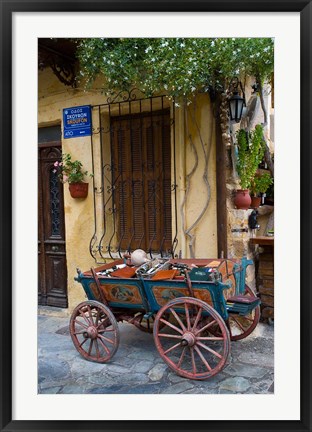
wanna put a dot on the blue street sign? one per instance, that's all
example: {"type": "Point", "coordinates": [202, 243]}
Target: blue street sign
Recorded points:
{"type": "Point", "coordinates": [77, 121]}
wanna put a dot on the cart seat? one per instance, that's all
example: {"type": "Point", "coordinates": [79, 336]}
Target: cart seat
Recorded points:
{"type": "Point", "coordinates": [242, 304]}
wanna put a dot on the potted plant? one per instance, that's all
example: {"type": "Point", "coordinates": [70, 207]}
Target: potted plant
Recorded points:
{"type": "Point", "coordinates": [71, 172]}
{"type": "Point", "coordinates": [259, 185]}
{"type": "Point", "coordinates": [251, 148]}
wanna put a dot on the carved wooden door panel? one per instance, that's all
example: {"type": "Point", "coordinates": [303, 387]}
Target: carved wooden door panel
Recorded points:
{"type": "Point", "coordinates": [52, 277]}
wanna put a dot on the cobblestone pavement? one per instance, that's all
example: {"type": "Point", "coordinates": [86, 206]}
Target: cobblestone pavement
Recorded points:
{"type": "Point", "coordinates": [137, 367]}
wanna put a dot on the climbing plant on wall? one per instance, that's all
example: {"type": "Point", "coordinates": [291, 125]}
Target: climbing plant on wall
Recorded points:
{"type": "Point", "coordinates": [178, 66]}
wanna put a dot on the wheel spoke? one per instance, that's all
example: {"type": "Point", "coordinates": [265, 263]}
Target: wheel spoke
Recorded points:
{"type": "Point", "coordinates": [106, 339]}
{"type": "Point", "coordinates": [177, 318]}
{"type": "Point", "coordinates": [80, 323]}
{"type": "Point", "coordinates": [172, 348]}
{"type": "Point", "coordinates": [97, 318]}
{"type": "Point", "coordinates": [209, 349]}
{"type": "Point", "coordinates": [104, 346]}
{"type": "Point", "coordinates": [90, 347]}
{"type": "Point", "coordinates": [82, 314]}
{"type": "Point", "coordinates": [205, 327]}
{"type": "Point", "coordinates": [181, 357]}
{"type": "Point", "coordinates": [106, 330]}
{"type": "Point", "coordinates": [171, 325]}
{"type": "Point", "coordinates": [187, 315]}
{"type": "Point", "coordinates": [198, 316]}
{"type": "Point", "coordinates": [90, 315]}
{"type": "Point", "coordinates": [78, 332]}
{"type": "Point", "coordinates": [240, 325]}
{"type": "Point", "coordinates": [193, 361]}
{"type": "Point", "coordinates": [102, 322]}
{"type": "Point", "coordinates": [212, 338]}
{"type": "Point", "coordinates": [97, 348]}
{"type": "Point", "coordinates": [170, 336]}
{"type": "Point", "coordinates": [202, 358]}
{"type": "Point", "coordinates": [85, 340]}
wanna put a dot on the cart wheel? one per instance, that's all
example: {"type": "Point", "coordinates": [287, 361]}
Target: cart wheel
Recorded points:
{"type": "Point", "coordinates": [143, 324]}
{"type": "Point", "coordinates": [94, 331]}
{"type": "Point", "coordinates": [185, 344]}
{"type": "Point", "coordinates": [241, 326]}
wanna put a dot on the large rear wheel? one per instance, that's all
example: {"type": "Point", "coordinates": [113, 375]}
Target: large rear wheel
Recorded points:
{"type": "Point", "coordinates": [185, 343]}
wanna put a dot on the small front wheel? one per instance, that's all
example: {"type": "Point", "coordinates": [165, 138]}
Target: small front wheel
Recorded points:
{"type": "Point", "coordinates": [94, 331]}
{"type": "Point", "coordinates": [186, 344]}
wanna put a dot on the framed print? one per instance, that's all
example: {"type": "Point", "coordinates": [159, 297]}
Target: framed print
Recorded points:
{"type": "Point", "coordinates": [27, 30]}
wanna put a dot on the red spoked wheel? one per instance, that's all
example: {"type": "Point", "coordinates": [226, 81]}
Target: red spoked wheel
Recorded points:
{"type": "Point", "coordinates": [185, 344]}
{"type": "Point", "coordinates": [242, 326]}
{"type": "Point", "coordinates": [143, 324]}
{"type": "Point", "coordinates": [94, 331]}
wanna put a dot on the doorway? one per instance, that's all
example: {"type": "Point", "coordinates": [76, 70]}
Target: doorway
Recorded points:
{"type": "Point", "coordinates": [52, 270]}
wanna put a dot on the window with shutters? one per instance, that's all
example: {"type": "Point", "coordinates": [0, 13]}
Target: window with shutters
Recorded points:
{"type": "Point", "coordinates": [141, 178]}
{"type": "Point", "coordinates": [134, 186]}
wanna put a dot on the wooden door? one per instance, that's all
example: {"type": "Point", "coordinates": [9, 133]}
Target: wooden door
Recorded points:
{"type": "Point", "coordinates": [52, 277]}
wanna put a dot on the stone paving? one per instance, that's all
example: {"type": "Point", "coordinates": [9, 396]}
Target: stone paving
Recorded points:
{"type": "Point", "coordinates": [137, 367]}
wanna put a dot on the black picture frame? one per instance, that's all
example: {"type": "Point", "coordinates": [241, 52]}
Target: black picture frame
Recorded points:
{"type": "Point", "coordinates": [7, 9]}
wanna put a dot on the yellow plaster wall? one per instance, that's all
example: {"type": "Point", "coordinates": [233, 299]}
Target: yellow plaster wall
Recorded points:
{"type": "Point", "coordinates": [79, 214]}
{"type": "Point", "coordinates": [195, 140]}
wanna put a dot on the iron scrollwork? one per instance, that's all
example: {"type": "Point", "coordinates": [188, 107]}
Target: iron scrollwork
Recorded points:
{"type": "Point", "coordinates": [144, 186]}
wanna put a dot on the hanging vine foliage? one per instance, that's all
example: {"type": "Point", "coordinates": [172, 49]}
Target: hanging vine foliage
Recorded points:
{"type": "Point", "coordinates": [178, 66]}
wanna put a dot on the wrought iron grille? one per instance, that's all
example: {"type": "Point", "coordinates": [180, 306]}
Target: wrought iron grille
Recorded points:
{"type": "Point", "coordinates": [135, 188]}
{"type": "Point", "coordinates": [55, 203]}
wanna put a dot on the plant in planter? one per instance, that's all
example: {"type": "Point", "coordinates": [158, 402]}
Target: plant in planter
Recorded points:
{"type": "Point", "coordinates": [71, 172]}
{"type": "Point", "coordinates": [259, 185]}
{"type": "Point", "coordinates": [251, 147]}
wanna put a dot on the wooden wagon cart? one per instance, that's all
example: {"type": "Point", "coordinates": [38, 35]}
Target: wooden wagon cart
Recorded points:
{"type": "Point", "coordinates": [193, 307]}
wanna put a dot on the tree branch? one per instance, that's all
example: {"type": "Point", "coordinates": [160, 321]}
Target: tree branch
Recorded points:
{"type": "Point", "coordinates": [267, 154]}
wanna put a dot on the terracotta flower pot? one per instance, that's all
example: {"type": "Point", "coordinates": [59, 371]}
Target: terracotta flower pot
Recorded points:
{"type": "Point", "coordinates": [78, 190]}
{"type": "Point", "coordinates": [255, 202]}
{"type": "Point", "coordinates": [242, 199]}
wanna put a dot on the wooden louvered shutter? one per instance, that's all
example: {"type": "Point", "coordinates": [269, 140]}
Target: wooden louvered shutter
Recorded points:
{"type": "Point", "coordinates": [142, 179]}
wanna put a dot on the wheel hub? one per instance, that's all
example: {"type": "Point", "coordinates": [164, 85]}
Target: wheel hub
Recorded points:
{"type": "Point", "coordinates": [188, 339]}
{"type": "Point", "coordinates": [91, 333]}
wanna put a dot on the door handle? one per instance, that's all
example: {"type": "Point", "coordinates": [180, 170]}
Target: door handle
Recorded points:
{"type": "Point", "coordinates": [54, 248]}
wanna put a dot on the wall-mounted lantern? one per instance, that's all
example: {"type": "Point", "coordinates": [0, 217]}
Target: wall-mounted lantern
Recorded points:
{"type": "Point", "coordinates": [236, 101]}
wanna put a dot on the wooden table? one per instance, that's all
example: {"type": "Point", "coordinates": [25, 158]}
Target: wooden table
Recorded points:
{"type": "Point", "coordinates": [265, 274]}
